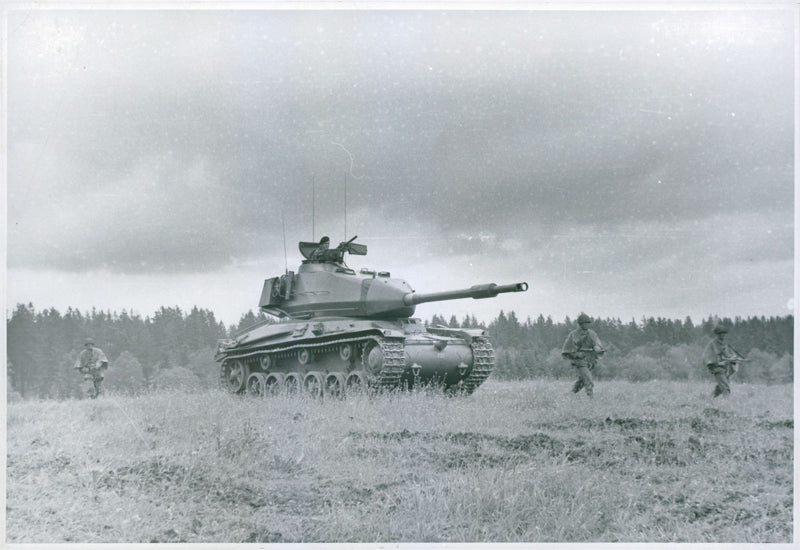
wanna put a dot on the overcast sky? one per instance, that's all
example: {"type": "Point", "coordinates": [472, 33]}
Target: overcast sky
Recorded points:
{"type": "Point", "coordinates": [623, 163]}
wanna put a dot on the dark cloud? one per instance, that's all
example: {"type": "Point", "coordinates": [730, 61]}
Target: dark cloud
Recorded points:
{"type": "Point", "coordinates": [178, 141]}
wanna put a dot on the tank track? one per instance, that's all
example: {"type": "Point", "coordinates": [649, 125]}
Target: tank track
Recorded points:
{"type": "Point", "coordinates": [394, 359]}
{"type": "Point", "coordinates": [482, 364]}
{"type": "Point", "coordinates": [394, 362]}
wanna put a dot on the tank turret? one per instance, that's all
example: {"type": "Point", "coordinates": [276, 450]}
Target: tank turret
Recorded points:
{"type": "Point", "coordinates": [340, 329]}
{"type": "Point", "coordinates": [324, 286]}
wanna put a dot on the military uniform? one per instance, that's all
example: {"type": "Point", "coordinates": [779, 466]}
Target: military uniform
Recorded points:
{"type": "Point", "coordinates": [92, 362]}
{"type": "Point", "coordinates": [582, 348]}
{"type": "Point", "coordinates": [321, 252]}
{"type": "Point", "coordinates": [721, 361]}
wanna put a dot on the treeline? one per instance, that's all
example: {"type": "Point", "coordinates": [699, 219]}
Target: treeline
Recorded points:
{"type": "Point", "coordinates": [176, 348]}
{"type": "Point", "coordinates": [650, 348]}
{"type": "Point", "coordinates": [168, 348]}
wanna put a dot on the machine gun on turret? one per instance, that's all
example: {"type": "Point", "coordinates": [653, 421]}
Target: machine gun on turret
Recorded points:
{"type": "Point", "coordinates": [319, 252]}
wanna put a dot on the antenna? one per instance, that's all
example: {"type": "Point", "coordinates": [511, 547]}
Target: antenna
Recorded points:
{"type": "Point", "coordinates": [285, 260]}
{"type": "Point", "coordinates": [345, 206]}
{"type": "Point", "coordinates": [313, 206]}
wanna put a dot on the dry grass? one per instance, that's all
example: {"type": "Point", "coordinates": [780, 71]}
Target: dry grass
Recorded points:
{"type": "Point", "coordinates": [515, 462]}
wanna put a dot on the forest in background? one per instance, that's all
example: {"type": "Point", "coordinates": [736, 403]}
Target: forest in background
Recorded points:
{"type": "Point", "coordinates": [174, 348]}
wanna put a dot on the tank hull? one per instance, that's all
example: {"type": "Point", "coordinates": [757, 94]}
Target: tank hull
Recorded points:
{"type": "Point", "coordinates": [335, 354]}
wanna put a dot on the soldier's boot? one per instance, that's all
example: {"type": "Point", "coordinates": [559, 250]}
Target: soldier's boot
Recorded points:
{"type": "Point", "coordinates": [578, 386]}
{"type": "Point", "coordinates": [717, 391]}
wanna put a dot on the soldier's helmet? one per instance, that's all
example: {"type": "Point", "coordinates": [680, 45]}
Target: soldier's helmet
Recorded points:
{"type": "Point", "coordinates": [720, 329]}
{"type": "Point", "coordinates": [583, 318]}
{"type": "Point", "coordinates": [324, 240]}
{"type": "Point", "coordinates": [88, 341]}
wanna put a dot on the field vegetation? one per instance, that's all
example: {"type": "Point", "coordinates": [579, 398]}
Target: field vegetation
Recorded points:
{"type": "Point", "coordinates": [519, 461]}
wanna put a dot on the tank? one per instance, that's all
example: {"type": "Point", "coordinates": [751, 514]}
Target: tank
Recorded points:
{"type": "Point", "coordinates": [338, 330]}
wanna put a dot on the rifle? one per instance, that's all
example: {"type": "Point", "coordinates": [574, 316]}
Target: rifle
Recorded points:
{"type": "Point", "coordinates": [732, 364]}
{"type": "Point", "coordinates": [92, 369]}
{"type": "Point", "coordinates": [583, 359]}
{"type": "Point", "coordinates": [741, 357]}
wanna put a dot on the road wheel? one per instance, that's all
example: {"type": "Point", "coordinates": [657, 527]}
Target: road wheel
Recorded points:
{"type": "Point", "coordinates": [273, 383]}
{"type": "Point", "coordinates": [292, 383]}
{"type": "Point", "coordinates": [256, 384]}
{"type": "Point", "coordinates": [313, 384]}
{"type": "Point", "coordinates": [234, 375]}
{"type": "Point", "coordinates": [335, 384]}
{"type": "Point", "coordinates": [355, 381]}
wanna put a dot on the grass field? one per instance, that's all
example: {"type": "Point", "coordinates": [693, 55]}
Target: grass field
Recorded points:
{"type": "Point", "coordinates": [514, 462]}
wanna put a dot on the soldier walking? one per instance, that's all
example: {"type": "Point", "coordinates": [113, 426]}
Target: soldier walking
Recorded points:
{"type": "Point", "coordinates": [721, 360]}
{"type": "Point", "coordinates": [582, 348]}
{"type": "Point", "coordinates": [92, 362]}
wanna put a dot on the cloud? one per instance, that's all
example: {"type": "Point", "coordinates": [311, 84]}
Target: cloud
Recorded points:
{"type": "Point", "coordinates": [183, 141]}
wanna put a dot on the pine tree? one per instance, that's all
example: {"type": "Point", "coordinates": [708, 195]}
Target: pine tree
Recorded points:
{"type": "Point", "coordinates": [24, 349]}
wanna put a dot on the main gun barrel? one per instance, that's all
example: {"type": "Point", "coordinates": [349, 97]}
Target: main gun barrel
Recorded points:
{"type": "Point", "coordinates": [489, 290]}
